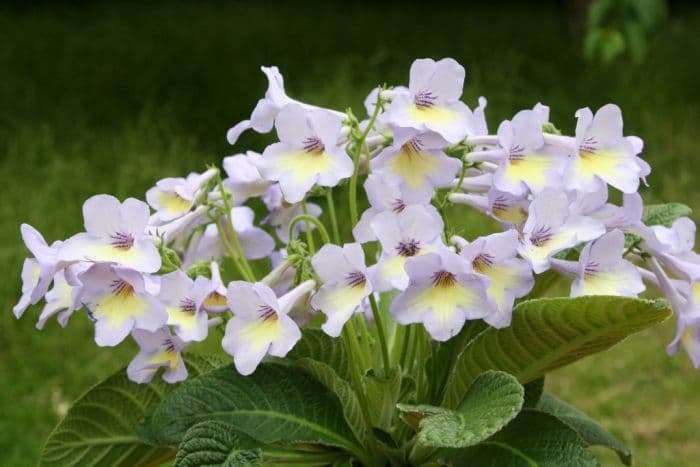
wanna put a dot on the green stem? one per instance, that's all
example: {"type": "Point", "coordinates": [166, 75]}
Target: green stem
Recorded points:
{"type": "Point", "coordinates": [352, 349]}
{"type": "Point", "coordinates": [234, 237]}
{"type": "Point", "coordinates": [403, 360]}
{"type": "Point", "coordinates": [309, 233]}
{"type": "Point", "coordinates": [331, 212]}
{"type": "Point", "coordinates": [308, 218]}
{"type": "Point", "coordinates": [232, 254]}
{"type": "Point", "coordinates": [364, 334]}
{"type": "Point", "coordinates": [381, 332]}
{"type": "Point", "coordinates": [420, 377]}
{"type": "Point", "coordinates": [359, 144]}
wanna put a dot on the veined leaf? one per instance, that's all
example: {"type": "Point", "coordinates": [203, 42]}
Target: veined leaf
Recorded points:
{"type": "Point", "coordinates": [492, 401]}
{"type": "Point", "coordinates": [382, 395]}
{"type": "Point", "coordinates": [591, 432]}
{"type": "Point", "coordinates": [317, 345]}
{"type": "Point", "coordinates": [276, 404]}
{"type": "Point", "coordinates": [99, 428]}
{"type": "Point", "coordinates": [533, 439]}
{"type": "Point", "coordinates": [215, 443]}
{"type": "Point", "coordinates": [549, 333]}
{"type": "Point", "coordinates": [664, 214]}
{"type": "Point", "coordinates": [343, 391]}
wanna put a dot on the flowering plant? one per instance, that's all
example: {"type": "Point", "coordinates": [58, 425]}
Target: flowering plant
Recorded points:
{"type": "Point", "coordinates": [433, 354]}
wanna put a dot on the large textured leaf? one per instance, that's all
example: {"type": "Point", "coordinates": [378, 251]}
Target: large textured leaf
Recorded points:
{"type": "Point", "coordinates": [276, 404]}
{"type": "Point", "coordinates": [492, 401]}
{"type": "Point", "coordinates": [343, 391]}
{"type": "Point", "coordinates": [591, 432]}
{"type": "Point", "coordinates": [664, 214]}
{"type": "Point", "coordinates": [99, 428]}
{"type": "Point", "coordinates": [382, 395]}
{"type": "Point", "coordinates": [549, 333]}
{"type": "Point", "coordinates": [532, 439]}
{"type": "Point", "coordinates": [317, 345]}
{"type": "Point", "coordinates": [214, 443]}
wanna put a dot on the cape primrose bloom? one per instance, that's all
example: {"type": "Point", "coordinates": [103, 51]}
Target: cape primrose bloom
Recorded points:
{"type": "Point", "coordinates": [260, 324]}
{"type": "Point", "coordinates": [114, 233]}
{"type": "Point", "coordinates": [550, 229]}
{"type": "Point", "coordinates": [443, 293]}
{"type": "Point", "coordinates": [174, 197]}
{"type": "Point", "coordinates": [184, 301]}
{"type": "Point", "coordinates": [117, 300]}
{"type": "Point", "coordinates": [432, 102]}
{"type": "Point", "coordinates": [307, 154]}
{"type": "Point", "coordinates": [345, 284]}
{"type": "Point", "coordinates": [158, 349]}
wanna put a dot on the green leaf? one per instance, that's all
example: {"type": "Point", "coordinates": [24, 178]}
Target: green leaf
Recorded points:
{"type": "Point", "coordinates": [317, 345]}
{"type": "Point", "coordinates": [276, 404]}
{"type": "Point", "coordinates": [664, 214]}
{"type": "Point", "coordinates": [100, 426]}
{"type": "Point", "coordinates": [214, 443]}
{"type": "Point", "coordinates": [591, 432]}
{"type": "Point", "coordinates": [493, 400]}
{"type": "Point", "coordinates": [549, 333]}
{"type": "Point", "coordinates": [534, 439]}
{"type": "Point", "coordinates": [342, 390]}
{"type": "Point", "coordinates": [382, 396]}
{"type": "Point", "coordinates": [533, 392]}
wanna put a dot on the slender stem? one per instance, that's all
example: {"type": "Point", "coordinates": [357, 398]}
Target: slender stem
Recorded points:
{"type": "Point", "coordinates": [232, 254]}
{"type": "Point", "coordinates": [420, 377]}
{"type": "Point", "coordinates": [364, 334]}
{"type": "Point", "coordinates": [308, 218]}
{"type": "Point", "coordinates": [403, 359]}
{"type": "Point", "coordinates": [234, 237]}
{"type": "Point", "coordinates": [381, 332]}
{"type": "Point", "coordinates": [359, 144]}
{"type": "Point", "coordinates": [334, 219]}
{"type": "Point", "coordinates": [352, 349]}
{"type": "Point", "coordinates": [309, 233]}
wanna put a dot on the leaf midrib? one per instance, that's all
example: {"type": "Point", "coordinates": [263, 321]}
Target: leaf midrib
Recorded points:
{"type": "Point", "coordinates": [513, 450]}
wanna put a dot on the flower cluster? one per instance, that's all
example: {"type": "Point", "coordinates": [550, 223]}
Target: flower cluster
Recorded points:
{"type": "Point", "coordinates": [153, 271]}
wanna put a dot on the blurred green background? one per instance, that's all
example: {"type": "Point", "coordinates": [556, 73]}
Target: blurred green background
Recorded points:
{"type": "Point", "coordinates": [108, 98]}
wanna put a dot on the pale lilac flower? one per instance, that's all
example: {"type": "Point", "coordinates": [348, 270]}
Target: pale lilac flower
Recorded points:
{"type": "Point", "coordinates": [117, 301]}
{"type": "Point", "coordinates": [550, 228]}
{"type": "Point", "coordinates": [307, 154]}
{"type": "Point", "coordinates": [260, 325]}
{"type": "Point", "coordinates": [432, 103]}
{"type": "Point", "coordinates": [527, 163]}
{"type": "Point", "coordinates": [158, 349]}
{"type": "Point", "coordinates": [602, 153]}
{"type": "Point", "coordinates": [62, 299]}
{"type": "Point", "coordinates": [114, 233]}
{"type": "Point", "coordinates": [476, 119]}
{"type": "Point", "coordinates": [601, 269]}
{"type": "Point", "coordinates": [385, 194]}
{"type": "Point", "coordinates": [673, 246]}
{"type": "Point", "coordinates": [255, 242]}
{"type": "Point", "coordinates": [413, 232]}
{"type": "Point", "coordinates": [37, 272]}
{"type": "Point", "coordinates": [495, 257]}
{"type": "Point", "coordinates": [215, 300]}
{"type": "Point", "coordinates": [345, 284]}
{"type": "Point", "coordinates": [281, 278]}
{"type": "Point", "coordinates": [174, 197]}
{"type": "Point", "coordinates": [511, 211]}
{"type": "Point", "coordinates": [417, 161]}
{"type": "Point", "coordinates": [593, 204]}
{"type": "Point", "coordinates": [244, 179]}
{"type": "Point", "coordinates": [443, 293]}
{"type": "Point", "coordinates": [184, 302]}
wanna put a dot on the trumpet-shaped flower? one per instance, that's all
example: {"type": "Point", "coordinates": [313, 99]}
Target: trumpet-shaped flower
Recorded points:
{"type": "Point", "coordinates": [158, 349]}
{"type": "Point", "coordinates": [386, 195]}
{"type": "Point", "coordinates": [550, 228]}
{"type": "Point", "coordinates": [417, 161]}
{"type": "Point", "coordinates": [174, 197]}
{"type": "Point", "coordinates": [184, 302]}
{"type": "Point", "coordinates": [345, 284]}
{"type": "Point", "coordinates": [443, 293]}
{"type": "Point", "coordinates": [62, 299]}
{"type": "Point", "coordinates": [244, 179]}
{"type": "Point", "coordinates": [527, 163]}
{"type": "Point", "coordinates": [602, 153]}
{"type": "Point", "coordinates": [674, 246]}
{"type": "Point", "coordinates": [495, 257]}
{"type": "Point", "coordinates": [307, 154]}
{"type": "Point", "coordinates": [432, 103]}
{"type": "Point", "coordinates": [260, 326]}
{"type": "Point", "coordinates": [215, 300]}
{"type": "Point", "coordinates": [37, 272]}
{"type": "Point", "coordinates": [114, 233]}
{"type": "Point", "coordinates": [601, 269]}
{"type": "Point", "coordinates": [413, 232]}
{"type": "Point", "coordinates": [117, 300]}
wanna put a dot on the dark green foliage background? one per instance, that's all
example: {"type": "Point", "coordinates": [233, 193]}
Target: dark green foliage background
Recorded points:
{"type": "Point", "coordinates": [111, 97]}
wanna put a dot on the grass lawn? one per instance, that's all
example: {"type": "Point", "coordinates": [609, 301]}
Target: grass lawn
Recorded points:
{"type": "Point", "coordinates": [110, 98]}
